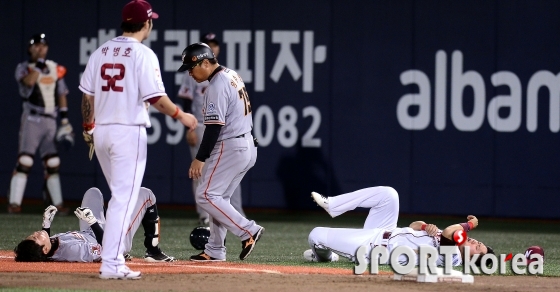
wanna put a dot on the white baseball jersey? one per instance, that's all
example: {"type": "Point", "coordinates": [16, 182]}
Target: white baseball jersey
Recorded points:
{"type": "Point", "coordinates": [121, 62]}
{"type": "Point", "coordinates": [226, 99]}
{"type": "Point", "coordinates": [414, 239]}
{"type": "Point", "coordinates": [190, 89]}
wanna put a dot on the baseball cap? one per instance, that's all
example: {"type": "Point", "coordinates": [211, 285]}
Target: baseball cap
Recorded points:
{"type": "Point", "coordinates": [38, 38]}
{"type": "Point", "coordinates": [138, 11]}
{"type": "Point", "coordinates": [209, 37]}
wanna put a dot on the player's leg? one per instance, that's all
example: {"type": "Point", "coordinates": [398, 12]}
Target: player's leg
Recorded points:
{"type": "Point", "coordinates": [232, 159]}
{"type": "Point", "coordinates": [93, 199]}
{"type": "Point", "coordinates": [29, 138]}
{"type": "Point", "coordinates": [51, 165]}
{"type": "Point", "coordinates": [382, 201]}
{"type": "Point", "coordinates": [236, 200]}
{"type": "Point", "coordinates": [202, 215]}
{"type": "Point", "coordinates": [121, 151]}
{"type": "Point", "coordinates": [342, 241]}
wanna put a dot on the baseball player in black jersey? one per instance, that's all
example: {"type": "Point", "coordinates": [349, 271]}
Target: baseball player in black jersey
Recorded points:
{"type": "Point", "coordinates": [85, 245]}
{"type": "Point", "coordinates": [43, 92]}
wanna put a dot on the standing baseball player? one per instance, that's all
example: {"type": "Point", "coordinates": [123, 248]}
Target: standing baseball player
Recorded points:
{"type": "Point", "coordinates": [120, 77]}
{"type": "Point", "coordinates": [380, 228]}
{"type": "Point", "coordinates": [192, 93]}
{"type": "Point", "coordinates": [43, 91]}
{"type": "Point", "coordinates": [226, 153]}
{"type": "Point", "coordinates": [86, 245]}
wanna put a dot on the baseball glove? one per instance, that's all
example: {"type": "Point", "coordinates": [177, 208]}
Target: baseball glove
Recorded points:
{"type": "Point", "coordinates": [65, 135]}
{"type": "Point", "coordinates": [88, 137]}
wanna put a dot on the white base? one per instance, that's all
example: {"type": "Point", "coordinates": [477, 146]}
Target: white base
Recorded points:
{"type": "Point", "coordinates": [455, 276]}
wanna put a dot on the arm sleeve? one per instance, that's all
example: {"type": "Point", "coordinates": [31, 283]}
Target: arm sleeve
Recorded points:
{"type": "Point", "coordinates": [98, 231]}
{"type": "Point", "coordinates": [209, 139]}
{"type": "Point", "coordinates": [150, 74]}
{"type": "Point", "coordinates": [187, 105]}
{"type": "Point", "coordinates": [86, 82]}
{"type": "Point", "coordinates": [48, 230]}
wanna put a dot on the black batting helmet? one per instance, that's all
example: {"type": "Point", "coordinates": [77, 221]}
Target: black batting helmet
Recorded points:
{"type": "Point", "coordinates": [195, 53]}
{"type": "Point", "coordinates": [199, 237]}
{"type": "Point", "coordinates": [38, 38]}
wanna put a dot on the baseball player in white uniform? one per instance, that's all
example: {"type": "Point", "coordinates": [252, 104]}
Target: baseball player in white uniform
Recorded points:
{"type": "Point", "coordinates": [192, 94]}
{"type": "Point", "coordinates": [226, 153]}
{"type": "Point", "coordinates": [380, 228]}
{"type": "Point", "coordinates": [120, 77]}
{"type": "Point", "coordinates": [85, 245]}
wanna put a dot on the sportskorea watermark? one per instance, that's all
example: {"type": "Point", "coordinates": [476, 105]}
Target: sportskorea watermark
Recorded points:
{"type": "Point", "coordinates": [428, 255]}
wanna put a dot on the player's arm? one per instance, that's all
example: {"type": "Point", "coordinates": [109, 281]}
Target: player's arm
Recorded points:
{"type": "Point", "coordinates": [471, 224]}
{"type": "Point", "coordinates": [431, 229]}
{"type": "Point", "coordinates": [165, 106]}
{"type": "Point", "coordinates": [87, 111]}
{"type": "Point", "coordinates": [62, 91]}
{"type": "Point", "coordinates": [30, 79]}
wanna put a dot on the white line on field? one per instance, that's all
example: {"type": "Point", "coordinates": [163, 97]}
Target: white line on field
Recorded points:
{"type": "Point", "coordinates": [6, 257]}
{"type": "Point", "coordinates": [211, 267]}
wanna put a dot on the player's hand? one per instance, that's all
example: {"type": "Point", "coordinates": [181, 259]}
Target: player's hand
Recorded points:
{"type": "Point", "coordinates": [88, 137]}
{"type": "Point", "coordinates": [191, 138]}
{"type": "Point", "coordinates": [65, 132]}
{"type": "Point", "coordinates": [431, 229]}
{"type": "Point", "coordinates": [473, 220]}
{"type": "Point", "coordinates": [188, 120]}
{"type": "Point", "coordinates": [195, 172]}
{"type": "Point", "coordinates": [42, 66]}
{"type": "Point", "coordinates": [85, 214]}
{"type": "Point", "coordinates": [48, 216]}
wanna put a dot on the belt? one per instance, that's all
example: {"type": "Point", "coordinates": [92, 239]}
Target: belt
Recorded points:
{"type": "Point", "coordinates": [386, 236]}
{"type": "Point", "coordinates": [240, 136]}
{"type": "Point", "coordinates": [36, 113]}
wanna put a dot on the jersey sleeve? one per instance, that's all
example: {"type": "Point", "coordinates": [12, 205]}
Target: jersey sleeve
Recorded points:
{"type": "Point", "coordinates": [186, 90]}
{"type": "Point", "coordinates": [21, 71]}
{"type": "Point", "coordinates": [87, 81]}
{"type": "Point", "coordinates": [61, 87]}
{"type": "Point", "coordinates": [151, 83]}
{"type": "Point", "coordinates": [215, 107]}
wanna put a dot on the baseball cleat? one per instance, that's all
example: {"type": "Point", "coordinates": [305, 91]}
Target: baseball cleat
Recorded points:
{"type": "Point", "coordinates": [247, 245]}
{"type": "Point", "coordinates": [14, 209]}
{"type": "Point", "coordinates": [203, 257]}
{"type": "Point", "coordinates": [321, 201]}
{"type": "Point", "coordinates": [310, 256]}
{"type": "Point", "coordinates": [158, 257]}
{"type": "Point", "coordinates": [125, 274]}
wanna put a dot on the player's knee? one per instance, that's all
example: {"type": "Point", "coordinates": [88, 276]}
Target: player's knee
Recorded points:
{"type": "Point", "coordinates": [52, 163]}
{"type": "Point", "coordinates": [392, 194]}
{"type": "Point", "coordinates": [24, 163]}
{"type": "Point", "coordinates": [316, 235]}
{"type": "Point", "coordinates": [148, 194]}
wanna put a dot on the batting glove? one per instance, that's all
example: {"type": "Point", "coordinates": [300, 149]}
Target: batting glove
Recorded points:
{"type": "Point", "coordinates": [85, 214]}
{"type": "Point", "coordinates": [48, 216]}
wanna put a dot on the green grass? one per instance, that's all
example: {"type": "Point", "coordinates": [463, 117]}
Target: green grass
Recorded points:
{"type": "Point", "coordinates": [286, 234]}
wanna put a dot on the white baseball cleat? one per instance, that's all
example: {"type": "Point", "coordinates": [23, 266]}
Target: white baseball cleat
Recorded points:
{"type": "Point", "coordinates": [125, 274]}
{"type": "Point", "coordinates": [322, 201]}
{"type": "Point", "coordinates": [310, 256]}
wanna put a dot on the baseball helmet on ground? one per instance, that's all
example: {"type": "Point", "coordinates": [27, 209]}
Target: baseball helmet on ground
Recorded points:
{"type": "Point", "coordinates": [535, 249]}
{"type": "Point", "coordinates": [195, 53]}
{"type": "Point", "coordinates": [199, 237]}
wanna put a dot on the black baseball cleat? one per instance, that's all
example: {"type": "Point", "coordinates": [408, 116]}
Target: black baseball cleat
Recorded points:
{"type": "Point", "coordinates": [127, 257]}
{"type": "Point", "coordinates": [247, 245]}
{"type": "Point", "coordinates": [158, 257]}
{"type": "Point", "coordinates": [203, 257]}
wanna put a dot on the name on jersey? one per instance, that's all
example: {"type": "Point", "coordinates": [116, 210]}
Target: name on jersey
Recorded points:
{"type": "Point", "coordinates": [211, 118]}
{"type": "Point", "coordinates": [126, 52]}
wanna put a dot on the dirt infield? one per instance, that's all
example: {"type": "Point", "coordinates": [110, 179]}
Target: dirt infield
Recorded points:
{"type": "Point", "coordinates": [189, 276]}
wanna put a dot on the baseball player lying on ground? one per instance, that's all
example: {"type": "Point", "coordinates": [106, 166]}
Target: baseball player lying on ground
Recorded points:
{"type": "Point", "coordinates": [380, 228]}
{"type": "Point", "coordinates": [85, 245]}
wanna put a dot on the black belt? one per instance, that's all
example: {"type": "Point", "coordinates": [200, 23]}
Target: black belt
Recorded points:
{"type": "Point", "coordinates": [36, 113]}
{"type": "Point", "coordinates": [240, 136]}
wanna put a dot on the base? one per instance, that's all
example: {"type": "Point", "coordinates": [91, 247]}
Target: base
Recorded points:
{"type": "Point", "coordinates": [455, 276]}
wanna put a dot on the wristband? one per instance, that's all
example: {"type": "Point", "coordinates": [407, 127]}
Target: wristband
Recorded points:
{"type": "Point", "coordinates": [423, 226]}
{"type": "Point", "coordinates": [176, 112]}
{"type": "Point", "coordinates": [467, 226]}
{"type": "Point", "coordinates": [471, 225]}
{"type": "Point", "coordinates": [88, 127]}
